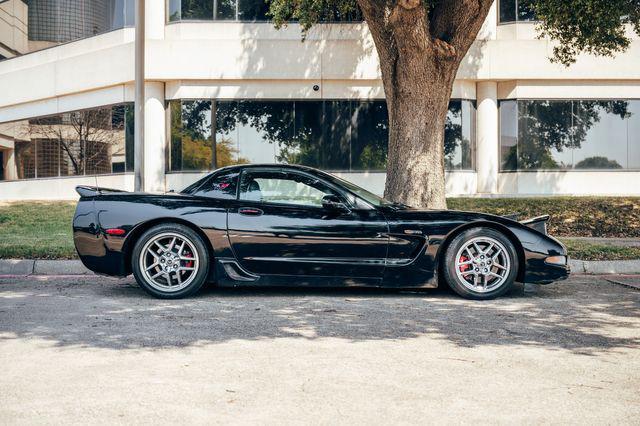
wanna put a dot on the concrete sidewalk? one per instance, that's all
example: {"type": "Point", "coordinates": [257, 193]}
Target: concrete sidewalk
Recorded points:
{"type": "Point", "coordinates": [75, 267]}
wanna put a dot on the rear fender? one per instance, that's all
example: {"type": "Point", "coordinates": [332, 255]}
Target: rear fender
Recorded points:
{"type": "Point", "coordinates": [212, 238]}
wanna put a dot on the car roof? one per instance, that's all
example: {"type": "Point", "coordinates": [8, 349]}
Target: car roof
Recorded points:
{"type": "Point", "coordinates": [271, 165]}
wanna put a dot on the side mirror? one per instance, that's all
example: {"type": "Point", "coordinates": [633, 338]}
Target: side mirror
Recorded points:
{"type": "Point", "coordinates": [333, 203]}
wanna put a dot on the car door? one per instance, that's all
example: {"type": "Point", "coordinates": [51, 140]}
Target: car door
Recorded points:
{"type": "Point", "coordinates": [279, 227]}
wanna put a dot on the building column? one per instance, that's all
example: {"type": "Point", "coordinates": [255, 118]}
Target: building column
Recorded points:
{"type": "Point", "coordinates": [150, 116]}
{"type": "Point", "coordinates": [154, 21]}
{"type": "Point", "coordinates": [10, 166]}
{"type": "Point", "coordinates": [154, 137]}
{"type": "Point", "coordinates": [487, 146]}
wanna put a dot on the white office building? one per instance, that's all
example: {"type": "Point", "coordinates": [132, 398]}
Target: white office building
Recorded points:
{"type": "Point", "coordinates": [222, 86]}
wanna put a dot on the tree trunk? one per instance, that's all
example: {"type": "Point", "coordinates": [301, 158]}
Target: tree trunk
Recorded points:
{"type": "Point", "coordinates": [420, 50]}
{"type": "Point", "coordinates": [415, 164]}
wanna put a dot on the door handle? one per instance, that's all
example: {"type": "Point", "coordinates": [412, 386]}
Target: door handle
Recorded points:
{"type": "Point", "coordinates": [250, 211]}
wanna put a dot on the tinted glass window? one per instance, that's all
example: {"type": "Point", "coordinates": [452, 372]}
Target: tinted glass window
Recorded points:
{"type": "Point", "coordinates": [336, 137]}
{"type": "Point", "coordinates": [578, 134]}
{"type": "Point", "coordinates": [544, 135]}
{"type": "Point", "coordinates": [225, 10]}
{"type": "Point", "coordinates": [600, 136]}
{"type": "Point", "coordinates": [633, 137]}
{"type": "Point", "coordinates": [223, 186]}
{"type": "Point", "coordinates": [28, 26]}
{"type": "Point", "coordinates": [332, 135]}
{"type": "Point", "coordinates": [248, 10]}
{"type": "Point", "coordinates": [459, 133]}
{"type": "Point", "coordinates": [173, 10]}
{"type": "Point", "coordinates": [507, 10]}
{"type": "Point", "coordinates": [283, 188]}
{"type": "Point", "coordinates": [93, 141]}
{"type": "Point", "coordinates": [369, 135]}
{"type": "Point", "coordinates": [196, 10]}
{"type": "Point", "coordinates": [253, 10]}
{"type": "Point", "coordinates": [192, 145]}
{"type": "Point", "coordinates": [516, 10]}
{"type": "Point", "coordinates": [509, 135]}
{"type": "Point", "coordinates": [525, 10]}
{"type": "Point", "coordinates": [306, 144]}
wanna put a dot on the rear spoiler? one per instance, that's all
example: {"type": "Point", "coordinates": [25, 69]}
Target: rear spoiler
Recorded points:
{"type": "Point", "coordinates": [538, 223]}
{"type": "Point", "coordinates": [92, 191]}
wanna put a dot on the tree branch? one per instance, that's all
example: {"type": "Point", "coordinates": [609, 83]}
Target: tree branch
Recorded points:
{"type": "Point", "coordinates": [458, 22]}
{"type": "Point", "coordinates": [377, 19]}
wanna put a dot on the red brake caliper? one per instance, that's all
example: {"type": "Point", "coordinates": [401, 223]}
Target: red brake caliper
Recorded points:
{"type": "Point", "coordinates": [188, 263]}
{"type": "Point", "coordinates": [464, 267]}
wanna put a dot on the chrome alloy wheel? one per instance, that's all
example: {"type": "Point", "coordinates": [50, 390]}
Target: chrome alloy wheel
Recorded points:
{"type": "Point", "coordinates": [169, 262]}
{"type": "Point", "coordinates": [482, 264]}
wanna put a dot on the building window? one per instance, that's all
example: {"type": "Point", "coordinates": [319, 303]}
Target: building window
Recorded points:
{"type": "Point", "coordinates": [37, 24]}
{"type": "Point", "coordinates": [516, 10]}
{"type": "Point", "coordinates": [239, 10]}
{"type": "Point", "coordinates": [569, 134]}
{"type": "Point", "coordinates": [339, 135]}
{"type": "Point", "coordinates": [87, 142]}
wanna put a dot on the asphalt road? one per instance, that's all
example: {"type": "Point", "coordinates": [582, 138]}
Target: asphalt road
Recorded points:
{"type": "Point", "coordinates": [98, 350]}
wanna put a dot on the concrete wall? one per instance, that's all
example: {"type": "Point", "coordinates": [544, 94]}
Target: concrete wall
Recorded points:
{"type": "Point", "coordinates": [62, 188]}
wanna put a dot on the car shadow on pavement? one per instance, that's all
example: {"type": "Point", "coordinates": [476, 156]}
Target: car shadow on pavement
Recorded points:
{"type": "Point", "coordinates": [586, 316]}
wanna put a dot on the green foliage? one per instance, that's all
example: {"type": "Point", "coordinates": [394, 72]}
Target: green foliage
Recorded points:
{"type": "Point", "coordinates": [591, 26]}
{"type": "Point", "coordinates": [310, 12]}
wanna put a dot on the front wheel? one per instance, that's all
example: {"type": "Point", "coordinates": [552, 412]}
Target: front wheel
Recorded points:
{"type": "Point", "coordinates": [170, 261]}
{"type": "Point", "coordinates": [480, 263]}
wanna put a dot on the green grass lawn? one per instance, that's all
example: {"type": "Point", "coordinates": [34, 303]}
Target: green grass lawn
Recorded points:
{"type": "Point", "coordinates": [42, 230]}
{"type": "Point", "coordinates": [587, 251]}
{"type": "Point", "coordinates": [609, 217]}
{"type": "Point", "coordinates": [37, 230]}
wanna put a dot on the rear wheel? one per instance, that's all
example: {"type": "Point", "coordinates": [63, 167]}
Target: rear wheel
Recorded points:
{"type": "Point", "coordinates": [170, 261]}
{"type": "Point", "coordinates": [480, 263]}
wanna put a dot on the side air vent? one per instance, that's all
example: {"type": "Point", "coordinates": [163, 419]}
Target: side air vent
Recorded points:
{"type": "Point", "coordinates": [235, 271]}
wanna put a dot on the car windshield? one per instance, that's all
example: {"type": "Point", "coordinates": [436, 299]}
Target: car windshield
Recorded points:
{"type": "Point", "coordinates": [369, 197]}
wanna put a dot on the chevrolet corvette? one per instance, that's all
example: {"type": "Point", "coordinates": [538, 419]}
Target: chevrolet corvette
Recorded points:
{"type": "Point", "coordinates": [286, 225]}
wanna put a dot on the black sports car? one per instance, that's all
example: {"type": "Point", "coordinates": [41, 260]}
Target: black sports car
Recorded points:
{"type": "Point", "coordinates": [294, 225]}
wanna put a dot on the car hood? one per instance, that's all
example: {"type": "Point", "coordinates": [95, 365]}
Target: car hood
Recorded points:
{"type": "Point", "coordinates": [415, 215]}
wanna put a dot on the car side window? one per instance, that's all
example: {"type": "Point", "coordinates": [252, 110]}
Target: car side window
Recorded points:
{"type": "Point", "coordinates": [222, 186]}
{"type": "Point", "coordinates": [283, 188]}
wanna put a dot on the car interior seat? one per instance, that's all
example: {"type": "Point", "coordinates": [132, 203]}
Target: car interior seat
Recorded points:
{"type": "Point", "coordinates": [253, 191]}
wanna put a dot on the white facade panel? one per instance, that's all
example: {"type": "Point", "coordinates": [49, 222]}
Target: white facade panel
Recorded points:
{"type": "Point", "coordinates": [60, 188]}
{"type": "Point", "coordinates": [570, 183]}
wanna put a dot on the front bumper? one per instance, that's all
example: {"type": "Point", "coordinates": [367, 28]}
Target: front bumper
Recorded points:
{"type": "Point", "coordinates": [540, 272]}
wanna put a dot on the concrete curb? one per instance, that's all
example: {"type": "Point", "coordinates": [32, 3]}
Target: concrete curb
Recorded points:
{"type": "Point", "coordinates": [42, 267]}
{"type": "Point", "coordinates": [604, 267]}
{"type": "Point", "coordinates": [75, 267]}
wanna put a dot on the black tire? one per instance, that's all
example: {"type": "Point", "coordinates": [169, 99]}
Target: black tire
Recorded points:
{"type": "Point", "coordinates": [466, 290]}
{"type": "Point", "coordinates": [201, 265]}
